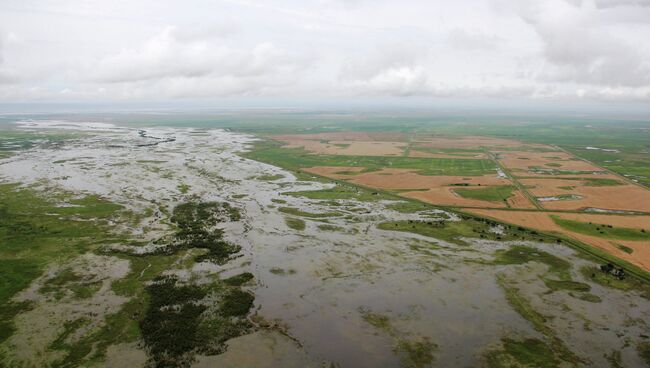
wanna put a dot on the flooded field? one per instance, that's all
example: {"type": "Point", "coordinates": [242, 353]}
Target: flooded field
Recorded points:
{"type": "Point", "coordinates": [353, 282]}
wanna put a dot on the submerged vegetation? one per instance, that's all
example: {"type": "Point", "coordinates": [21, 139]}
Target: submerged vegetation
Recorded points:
{"type": "Point", "coordinates": [196, 229]}
{"type": "Point", "coordinates": [294, 223]}
{"type": "Point", "coordinates": [414, 351]}
{"type": "Point", "coordinates": [539, 322]}
{"type": "Point", "coordinates": [173, 318]}
{"type": "Point", "coordinates": [519, 254]}
{"type": "Point", "coordinates": [180, 321]}
{"type": "Point", "coordinates": [525, 353]}
{"type": "Point", "coordinates": [298, 212]}
{"type": "Point", "coordinates": [35, 232]}
{"type": "Point", "coordinates": [176, 313]}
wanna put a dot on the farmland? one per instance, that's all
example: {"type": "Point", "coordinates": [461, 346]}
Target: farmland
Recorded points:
{"type": "Point", "coordinates": [473, 173]}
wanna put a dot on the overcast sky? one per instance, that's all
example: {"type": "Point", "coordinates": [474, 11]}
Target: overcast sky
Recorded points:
{"type": "Point", "coordinates": [138, 50]}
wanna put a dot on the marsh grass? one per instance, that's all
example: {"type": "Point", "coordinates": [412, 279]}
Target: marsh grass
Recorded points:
{"type": "Point", "coordinates": [294, 223]}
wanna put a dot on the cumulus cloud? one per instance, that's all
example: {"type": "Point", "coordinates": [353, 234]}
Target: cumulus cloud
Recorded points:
{"type": "Point", "coordinates": [162, 49]}
{"type": "Point", "coordinates": [6, 76]}
{"type": "Point", "coordinates": [183, 65]}
{"type": "Point", "coordinates": [579, 49]}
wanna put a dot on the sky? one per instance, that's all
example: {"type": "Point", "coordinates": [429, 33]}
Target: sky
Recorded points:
{"type": "Point", "coordinates": [596, 51]}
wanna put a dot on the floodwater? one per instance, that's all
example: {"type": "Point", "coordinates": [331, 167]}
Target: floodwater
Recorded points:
{"type": "Point", "coordinates": [318, 284]}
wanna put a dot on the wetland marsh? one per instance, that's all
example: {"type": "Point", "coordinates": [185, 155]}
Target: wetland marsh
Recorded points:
{"type": "Point", "coordinates": [177, 246]}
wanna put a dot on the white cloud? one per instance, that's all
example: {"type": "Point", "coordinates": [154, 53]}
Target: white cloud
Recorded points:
{"type": "Point", "coordinates": [535, 49]}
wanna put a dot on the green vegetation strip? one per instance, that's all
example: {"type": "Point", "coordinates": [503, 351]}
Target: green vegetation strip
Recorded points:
{"type": "Point", "coordinates": [344, 191]}
{"type": "Point", "coordinates": [525, 309]}
{"type": "Point", "coordinates": [602, 231]}
{"type": "Point", "coordinates": [294, 223]}
{"type": "Point", "coordinates": [468, 227]}
{"type": "Point", "coordinates": [297, 212]}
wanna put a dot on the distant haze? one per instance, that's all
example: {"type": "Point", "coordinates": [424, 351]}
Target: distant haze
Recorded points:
{"type": "Point", "coordinates": [413, 52]}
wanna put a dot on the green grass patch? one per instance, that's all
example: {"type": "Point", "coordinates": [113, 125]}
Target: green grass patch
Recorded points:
{"type": "Point", "coordinates": [35, 231]}
{"type": "Point", "coordinates": [409, 206]}
{"type": "Point", "coordinates": [298, 212]}
{"type": "Point", "coordinates": [625, 249]}
{"type": "Point", "coordinates": [343, 191]}
{"type": "Point", "coordinates": [327, 227]}
{"type": "Point", "coordinates": [491, 193]}
{"type": "Point", "coordinates": [294, 223]}
{"type": "Point", "coordinates": [67, 280]}
{"type": "Point", "coordinates": [239, 280]}
{"type": "Point", "coordinates": [601, 182]}
{"type": "Point", "coordinates": [520, 254]}
{"type": "Point", "coordinates": [281, 271]}
{"type": "Point", "coordinates": [568, 285]}
{"type": "Point", "coordinates": [270, 177]}
{"type": "Point", "coordinates": [602, 231]}
{"type": "Point", "coordinates": [605, 279]}
{"type": "Point", "coordinates": [91, 206]}
{"type": "Point", "coordinates": [183, 188]}
{"type": "Point", "coordinates": [451, 231]}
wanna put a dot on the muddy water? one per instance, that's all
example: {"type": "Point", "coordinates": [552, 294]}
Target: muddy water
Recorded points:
{"type": "Point", "coordinates": [320, 283]}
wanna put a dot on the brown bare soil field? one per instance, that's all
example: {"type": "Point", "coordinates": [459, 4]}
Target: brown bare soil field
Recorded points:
{"type": "Point", "coordinates": [562, 161]}
{"type": "Point", "coordinates": [334, 172]}
{"type": "Point", "coordinates": [532, 219]}
{"type": "Point", "coordinates": [416, 153]}
{"type": "Point", "coordinates": [467, 142]}
{"type": "Point", "coordinates": [621, 197]}
{"type": "Point", "coordinates": [351, 148]}
{"type": "Point", "coordinates": [370, 148]}
{"type": "Point", "coordinates": [315, 147]}
{"type": "Point", "coordinates": [440, 189]}
{"type": "Point", "coordinates": [389, 136]}
{"type": "Point", "coordinates": [406, 178]}
{"type": "Point", "coordinates": [542, 221]}
{"type": "Point", "coordinates": [551, 186]}
{"type": "Point", "coordinates": [445, 196]}
{"type": "Point", "coordinates": [333, 136]}
{"type": "Point", "coordinates": [520, 201]}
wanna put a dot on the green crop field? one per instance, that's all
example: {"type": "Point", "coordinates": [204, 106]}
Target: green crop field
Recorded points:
{"type": "Point", "coordinates": [602, 231]}
{"type": "Point", "coordinates": [295, 158]}
{"type": "Point", "coordinates": [494, 193]}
